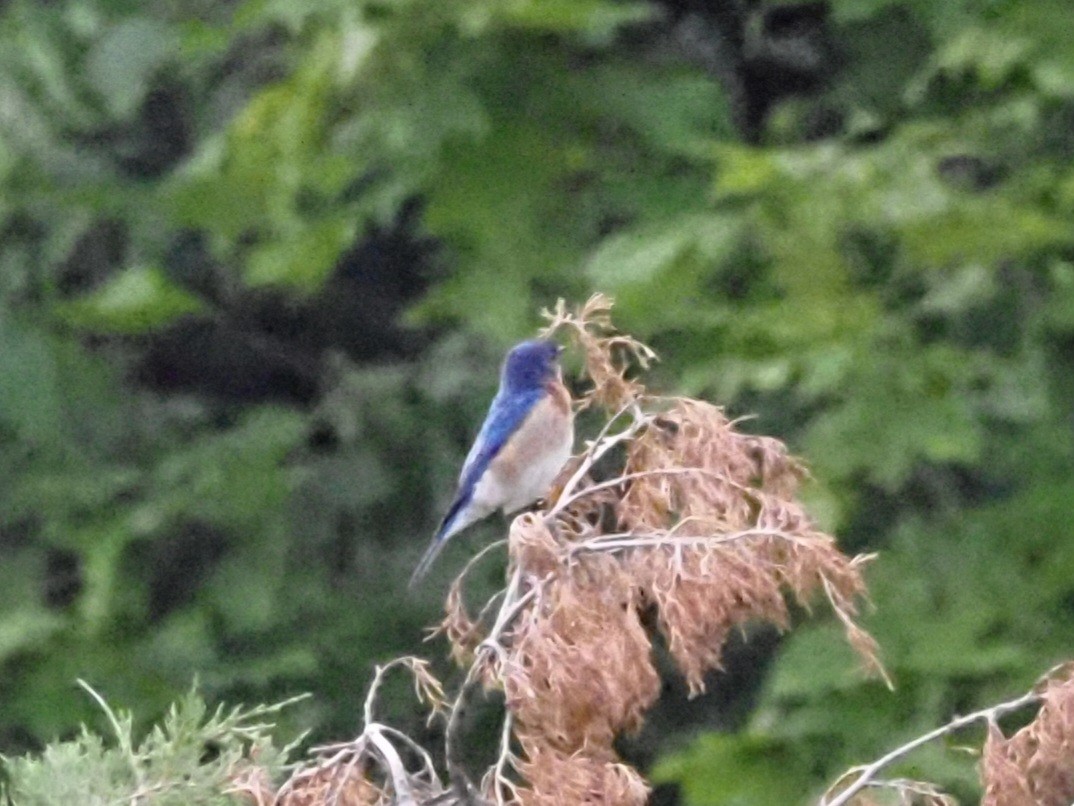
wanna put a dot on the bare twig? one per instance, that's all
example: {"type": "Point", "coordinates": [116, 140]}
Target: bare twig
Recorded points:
{"type": "Point", "coordinates": [123, 737]}
{"type": "Point", "coordinates": [473, 678]}
{"type": "Point", "coordinates": [641, 474]}
{"type": "Point", "coordinates": [907, 788]}
{"type": "Point", "coordinates": [484, 552]}
{"type": "Point", "coordinates": [597, 449]}
{"type": "Point", "coordinates": [339, 762]}
{"type": "Point", "coordinates": [404, 796]}
{"type": "Point", "coordinates": [507, 611]}
{"type": "Point", "coordinates": [427, 688]}
{"type": "Point", "coordinates": [839, 606]}
{"type": "Point", "coordinates": [866, 774]}
{"type": "Point", "coordinates": [504, 760]}
{"type": "Point", "coordinates": [427, 760]}
{"type": "Point", "coordinates": [633, 540]}
{"type": "Point", "coordinates": [510, 607]}
{"type": "Point", "coordinates": [379, 673]}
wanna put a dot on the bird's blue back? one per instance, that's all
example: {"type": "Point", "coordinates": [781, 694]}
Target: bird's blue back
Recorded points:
{"type": "Point", "coordinates": [524, 382]}
{"type": "Point", "coordinates": [507, 412]}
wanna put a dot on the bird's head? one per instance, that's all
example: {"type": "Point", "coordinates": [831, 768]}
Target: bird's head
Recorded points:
{"type": "Point", "coordinates": [531, 364]}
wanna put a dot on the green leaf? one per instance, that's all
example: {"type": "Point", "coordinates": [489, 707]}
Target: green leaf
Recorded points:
{"type": "Point", "coordinates": [717, 770]}
{"type": "Point", "coordinates": [598, 18]}
{"type": "Point", "coordinates": [814, 660]}
{"type": "Point", "coordinates": [669, 261]}
{"type": "Point", "coordinates": [907, 408]}
{"type": "Point", "coordinates": [673, 112]}
{"type": "Point", "coordinates": [137, 300]}
{"type": "Point", "coordinates": [101, 546]}
{"type": "Point", "coordinates": [26, 629]}
{"type": "Point", "coordinates": [742, 170]}
{"type": "Point", "coordinates": [989, 55]}
{"type": "Point", "coordinates": [121, 64]}
{"type": "Point", "coordinates": [303, 260]}
{"type": "Point", "coordinates": [30, 397]}
{"type": "Point", "coordinates": [981, 229]}
{"type": "Point", "coordinates": [233, 478]}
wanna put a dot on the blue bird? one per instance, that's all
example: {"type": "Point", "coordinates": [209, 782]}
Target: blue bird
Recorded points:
{"type": "Point", "coordinates": [524, 442]}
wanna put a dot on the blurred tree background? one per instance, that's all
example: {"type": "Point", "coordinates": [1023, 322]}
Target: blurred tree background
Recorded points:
{"type": "Point", "coordinates": [260, 259]}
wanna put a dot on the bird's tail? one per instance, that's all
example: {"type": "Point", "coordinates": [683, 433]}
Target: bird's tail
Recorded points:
{"type": "Point", "coordinates": [426, 561]}
{"type": "Point", "coordinates": [448, 526]}
{"type": "Point", "coordinates": [458, 517]}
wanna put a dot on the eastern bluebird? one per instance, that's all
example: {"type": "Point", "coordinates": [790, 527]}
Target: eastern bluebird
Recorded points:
{"type": "Point", "coordinates": [525, 440]}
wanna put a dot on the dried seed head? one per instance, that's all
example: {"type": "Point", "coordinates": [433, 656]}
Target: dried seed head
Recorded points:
{"type": "Point", "coordinates": [533, 547]}
{"type": "Point", "coordinates": [696, 465]}
{"type": "Point", "coordinates": [345, 784]}
{"type": "Point", "coordinates": [462, 632]}
{"type": "Point", "coordinates": [556, 778]}
{"type": "Point", "coordinates": [579, 670]}
{"type": "Point", "coordinates": [252, 784]}
{"type": "Point", "coordinates": [608, 355]}
{"type": "Point", "coordinates": [1035, 766]}
{"type": "Point", "coordinates": [699, 522]}
{"type": "Point", "coordinates": [731, 541]}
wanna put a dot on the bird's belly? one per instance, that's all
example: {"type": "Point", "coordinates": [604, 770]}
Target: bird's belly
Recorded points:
{"type": "Point", "coordinates": [528, 464]}
{"type": "Point", "coordinates": [535, 479]}
{"type": "Point", "coordinates": [532, 477]}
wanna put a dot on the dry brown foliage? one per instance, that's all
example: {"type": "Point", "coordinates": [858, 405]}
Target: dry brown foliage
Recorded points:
{"type": "Point", "coordinates": [608, 356]}
{"type": "Point", "coordinates": [578, 670]}
{"type": "Point", "coordinates": [669, 512]}
{"type": "Point", "coordinates": [1035, 766]}
{"type": "Point", "coordinates": [672, 511]}
{"type": "Point", "coordinates": [347, 785]}
{"type": "Point", "coordinates": [905, 793]}
{"type": "Point", "coordinates": [735, 540]}
{"type": "Point", "coordinates": [370, 770]}
{"type": "Point", "coordinates": [581, 778]}
{"type": "Point", "coordinates": [693, 520]}
{"type": "Point", "coordinates": [339, 784]}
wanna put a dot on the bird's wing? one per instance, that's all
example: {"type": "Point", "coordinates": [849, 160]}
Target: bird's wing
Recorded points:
{"type": "Point", "coordinates": [505, 415]}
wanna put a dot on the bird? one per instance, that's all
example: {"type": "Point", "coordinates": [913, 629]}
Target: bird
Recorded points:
{"type": "Point", "coordinates": [527, 437]}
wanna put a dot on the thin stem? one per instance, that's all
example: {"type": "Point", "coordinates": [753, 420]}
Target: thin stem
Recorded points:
{"type": "Point", "coordinates": [499, 776]}
{"type": "Point", "coordinates": [379, 673]}
{"type": "Point", "coordinates": [867, 773]}
{"type": "Point", "coordinates": [507, 614]}
{"type": "Point", "coordinates": [390, 757]}
{"type": "Point", "coordinates": [478, 557]}
{"type": "Point", "coordinates": [668, 471]}
{"type": "Point", "coordinates": [632, 540]}
{"type": "Point", "coordinates": [123, 736]}
{"type": "Point", "coordinates": [455, 716]}
{"type": "Point", "coordinates": [510, 607]}
{"type": "Point", "coordinates": [597, 449]}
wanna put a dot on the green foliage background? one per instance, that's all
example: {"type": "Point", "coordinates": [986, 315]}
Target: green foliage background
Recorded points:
{"type": "Point", "coordinates": [260, 258]}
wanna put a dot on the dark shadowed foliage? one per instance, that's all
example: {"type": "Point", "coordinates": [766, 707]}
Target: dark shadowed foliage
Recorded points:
{"type": "Point", "coordinates": [259, 260]}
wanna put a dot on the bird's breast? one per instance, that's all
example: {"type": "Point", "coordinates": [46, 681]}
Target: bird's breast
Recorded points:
{"type": "Point", "coordinates": [560, 397]}
{"type": "Point", "coordinates": [531, 459]}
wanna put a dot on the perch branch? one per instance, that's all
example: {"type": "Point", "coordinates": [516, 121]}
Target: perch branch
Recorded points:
{"type": "Point", "coordinates": [633, 540]}
{"type": "Point", "coordinates": [866, 774]}
{"type": "Point", "coordinates": [500, 781]}
{"type": "Point", "coordinates": [597, 449]}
